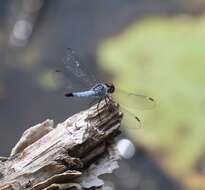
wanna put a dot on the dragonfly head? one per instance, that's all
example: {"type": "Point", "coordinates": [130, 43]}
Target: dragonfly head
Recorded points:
{"type": "Point", "coordinates": [111, 88]}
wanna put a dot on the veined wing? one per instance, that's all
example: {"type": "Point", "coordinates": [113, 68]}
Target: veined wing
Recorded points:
{"type": "Point", "coordinates": [134, 101]}
{"type": "Point", "coordinates": [131, 118]}
{"type": "Point", "coordinates": [75, 69]}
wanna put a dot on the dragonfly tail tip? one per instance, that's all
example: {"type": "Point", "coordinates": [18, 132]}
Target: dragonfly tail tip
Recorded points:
{"type": "Point", "coordinates": [68, 94]}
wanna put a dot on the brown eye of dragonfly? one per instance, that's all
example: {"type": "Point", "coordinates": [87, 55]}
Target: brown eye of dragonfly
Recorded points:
{"type": "Point", "coordinates": [111, 88]}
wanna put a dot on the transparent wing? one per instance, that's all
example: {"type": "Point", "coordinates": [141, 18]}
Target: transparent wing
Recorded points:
{"type": "Point", "coordinates": [130, 119]}
{"type": "Point", "coordinates": [134, 101]}
{"type": "Point", "coordinates": [75, 70]}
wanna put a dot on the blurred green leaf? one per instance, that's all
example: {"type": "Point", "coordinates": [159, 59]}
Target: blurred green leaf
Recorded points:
{"type": "Point", "coordinates": [164, 58]}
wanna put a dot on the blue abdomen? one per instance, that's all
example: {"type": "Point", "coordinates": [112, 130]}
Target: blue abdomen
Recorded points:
{"type": "Point", "coordinates": [84, 94]}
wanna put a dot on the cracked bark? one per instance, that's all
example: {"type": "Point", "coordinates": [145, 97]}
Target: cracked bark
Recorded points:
{"type": "Point", "coordinates": [69, 156]}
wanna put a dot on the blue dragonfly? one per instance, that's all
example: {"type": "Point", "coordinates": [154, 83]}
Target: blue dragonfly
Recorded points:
{"type": "Point", "coordinates": [101, 90]}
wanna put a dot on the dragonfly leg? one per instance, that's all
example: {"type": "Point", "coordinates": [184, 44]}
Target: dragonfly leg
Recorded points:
{"type": "Point", "coordinates": [109, 103]}
{"type": "Point", "coordinates": [111, 100]}
{"type": "Point", "coordinates": [106, 101]}
{"type": "Point", "coordinates": [99, 131]}
{"type": "Point", "coordinates": [98, 108]}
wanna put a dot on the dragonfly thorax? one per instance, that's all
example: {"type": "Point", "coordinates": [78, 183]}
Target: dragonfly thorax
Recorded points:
{"type": "Point", "coordinates": [102, 89]}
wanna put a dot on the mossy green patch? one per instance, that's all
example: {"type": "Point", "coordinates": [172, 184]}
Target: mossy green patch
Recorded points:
{"type": "Point", "coordinates": [165, 59]}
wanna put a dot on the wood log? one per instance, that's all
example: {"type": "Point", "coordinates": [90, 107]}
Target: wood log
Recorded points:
{"type": "Point", "coordinates": [69, 156]}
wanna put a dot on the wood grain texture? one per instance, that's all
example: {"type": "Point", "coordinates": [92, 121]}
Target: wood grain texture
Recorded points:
{"type": "Point", "coordinates": [64, 157]}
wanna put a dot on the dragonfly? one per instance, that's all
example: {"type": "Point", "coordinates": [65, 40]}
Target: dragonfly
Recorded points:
{"type": "Point", "coordinates": [102, 90]}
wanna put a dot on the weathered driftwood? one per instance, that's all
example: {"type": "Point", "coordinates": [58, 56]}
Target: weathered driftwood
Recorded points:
{"type": "Point", "coordinates": [64, 157]}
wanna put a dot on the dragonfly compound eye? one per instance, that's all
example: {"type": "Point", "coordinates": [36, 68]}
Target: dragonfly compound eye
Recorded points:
{"type": "Point", "coordinates": [111, 88]}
